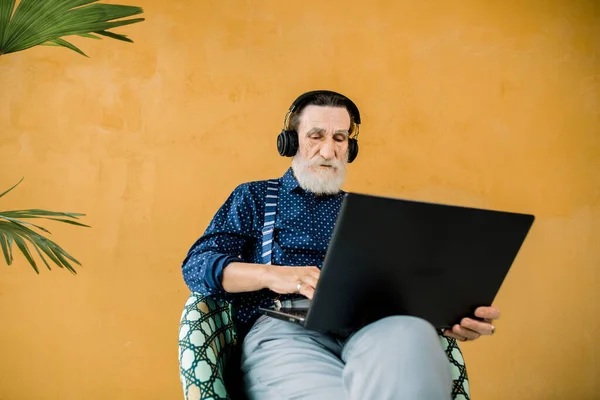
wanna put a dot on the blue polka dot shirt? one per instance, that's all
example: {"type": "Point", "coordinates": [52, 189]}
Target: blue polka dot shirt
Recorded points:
{"type": "Point", "coordinates": [303, 227]}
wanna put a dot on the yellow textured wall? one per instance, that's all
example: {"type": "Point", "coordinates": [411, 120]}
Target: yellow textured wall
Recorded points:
{"type": "Point", "coordinates": [481, 103]}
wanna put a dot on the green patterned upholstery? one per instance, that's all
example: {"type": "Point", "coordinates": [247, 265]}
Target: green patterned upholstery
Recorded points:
{"type": "Point", "coordinates": [208, 340]}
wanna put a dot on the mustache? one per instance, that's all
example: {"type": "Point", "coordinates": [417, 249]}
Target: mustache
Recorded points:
{"type": "Point", "coordinates": [323, 161]}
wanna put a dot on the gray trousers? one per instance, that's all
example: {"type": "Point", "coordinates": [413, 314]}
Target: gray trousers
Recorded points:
{"type": "Point", "coordinates": [394, 358]}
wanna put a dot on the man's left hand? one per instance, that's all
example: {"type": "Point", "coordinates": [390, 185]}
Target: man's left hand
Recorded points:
{"type": "Point", "coordinates": [470, 329]}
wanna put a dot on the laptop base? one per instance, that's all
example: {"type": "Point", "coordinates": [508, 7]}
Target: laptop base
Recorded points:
{"type": "Point", "coordinates": [296, 315]}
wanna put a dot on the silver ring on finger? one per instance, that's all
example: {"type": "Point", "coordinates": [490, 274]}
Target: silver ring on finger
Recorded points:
{"type": "Point", "coordinates": [298, 287]}
{"type": "Point", "coordinates": [493, 330]}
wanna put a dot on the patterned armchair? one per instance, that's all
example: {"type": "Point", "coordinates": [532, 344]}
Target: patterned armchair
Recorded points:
{"type": "Point", "coordinates": [208, 351]}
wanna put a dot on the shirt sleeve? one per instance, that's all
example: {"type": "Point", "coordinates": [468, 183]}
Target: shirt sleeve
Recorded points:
{"type": "Point", "coordinates": [229, 232]}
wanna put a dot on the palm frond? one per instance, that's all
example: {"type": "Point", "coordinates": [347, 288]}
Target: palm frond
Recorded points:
{"type": "Point", "coordinates": [17, 184]}
{"type": "Point", "coordinates": [6, 9]}
{"type": "Point", "coordinates": [37, 213]}
{"type": "Point", "coordinates": [24, 214]}
{"type": "Point", "coordinates": [64, 43]}
{"type": "Point", "coordinates": [89, 36]}
{"type": "Point", "coordinates": [22, 233]}
{"type": "Point", "coordinates": [25, 250]}
{"type": "Point", "coordinates": [6, 249]}
{"type": "Point", "coordinates": [115, 36]}
{"type": "Point", "coordinates": [36, 22]}
{"type": "Point", "coordinates": [13, 220]}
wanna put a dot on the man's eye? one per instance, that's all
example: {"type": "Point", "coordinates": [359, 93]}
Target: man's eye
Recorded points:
{"type": "Point", "coordinates": [316, 137]}
{"type": "Point", "coordinates": [340, 138]}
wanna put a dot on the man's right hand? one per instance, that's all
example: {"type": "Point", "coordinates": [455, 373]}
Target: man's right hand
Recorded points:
{"type": "Point", "coordinates": [286, 280]}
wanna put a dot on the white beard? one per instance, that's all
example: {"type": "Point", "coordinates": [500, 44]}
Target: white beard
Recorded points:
{"type": "Point", "coordinates": [318, 180]}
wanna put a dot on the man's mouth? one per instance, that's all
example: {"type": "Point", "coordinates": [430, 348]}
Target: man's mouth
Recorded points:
{"type": "Point", "coordinates": [326, 167]}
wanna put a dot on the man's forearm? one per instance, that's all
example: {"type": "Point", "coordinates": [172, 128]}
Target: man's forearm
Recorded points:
{"type": "Point", "coordinates": [244, 277]}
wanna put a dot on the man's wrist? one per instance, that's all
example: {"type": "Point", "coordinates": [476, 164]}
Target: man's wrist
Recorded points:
{"type": "Point", "coordinates": [264, 275]}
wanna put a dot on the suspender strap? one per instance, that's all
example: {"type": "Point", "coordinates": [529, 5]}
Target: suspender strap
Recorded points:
{"type": "Point", "coordinates": [270, 211]}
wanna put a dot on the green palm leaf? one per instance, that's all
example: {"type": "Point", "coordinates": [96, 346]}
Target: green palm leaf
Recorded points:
{"type": "Point", "coordinates": [64, 43]}
{"type": "Point", "coordinates": [46, 22]}
{"type": "Point", "coordinates": [14, 230]}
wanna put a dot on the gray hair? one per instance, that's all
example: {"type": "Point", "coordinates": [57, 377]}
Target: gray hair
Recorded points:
{"type": "Point", "coordinates": [322, 100]}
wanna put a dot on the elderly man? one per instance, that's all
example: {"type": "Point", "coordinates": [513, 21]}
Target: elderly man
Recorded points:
{"type": "Point", "coordinates": [266, 244]}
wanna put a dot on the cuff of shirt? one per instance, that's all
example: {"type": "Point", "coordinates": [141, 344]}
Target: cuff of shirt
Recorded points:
{"type": "Point", "coordinates": [220, 261]}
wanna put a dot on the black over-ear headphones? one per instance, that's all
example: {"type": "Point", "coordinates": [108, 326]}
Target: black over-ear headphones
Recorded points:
{"type": "Point", "coordinates": [287, 141]}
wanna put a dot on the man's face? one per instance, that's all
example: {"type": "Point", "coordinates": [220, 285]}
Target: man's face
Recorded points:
{"type": "Point", "coordinates": [320, 164]}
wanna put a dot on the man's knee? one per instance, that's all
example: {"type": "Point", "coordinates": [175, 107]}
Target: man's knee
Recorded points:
{"type": "Point", "coordinates": [401, 337]}
{"type": "Point", "coordinates": [399, 329]}
{"type": "Point", "coordinates": [406, 323]}
{"type": "Point", "coordinates": [396, 357]}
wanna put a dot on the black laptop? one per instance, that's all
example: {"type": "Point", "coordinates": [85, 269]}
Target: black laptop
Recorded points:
{"type": "Point", "coordinates": [401, 257]}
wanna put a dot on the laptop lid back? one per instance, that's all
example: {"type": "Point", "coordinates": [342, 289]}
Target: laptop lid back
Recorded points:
{"type": "Point", "coordinates": [401, 257]}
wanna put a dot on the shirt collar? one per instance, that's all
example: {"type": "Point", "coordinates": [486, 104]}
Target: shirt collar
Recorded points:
{"type": "Point", "coordinates": [289, 182]}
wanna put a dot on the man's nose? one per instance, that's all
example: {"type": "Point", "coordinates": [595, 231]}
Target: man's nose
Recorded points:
{"type": "Point", "coordinates": [328, 149]}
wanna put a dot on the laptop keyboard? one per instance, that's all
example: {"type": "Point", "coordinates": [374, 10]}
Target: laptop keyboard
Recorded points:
{"type": "Point", "coordinates": [295, 312]}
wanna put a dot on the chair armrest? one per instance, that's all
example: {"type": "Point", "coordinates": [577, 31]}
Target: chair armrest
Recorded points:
{"type": "Point", "coordinates": [460, 386]}
{"type": "Point", "coordinates": [206, 340]}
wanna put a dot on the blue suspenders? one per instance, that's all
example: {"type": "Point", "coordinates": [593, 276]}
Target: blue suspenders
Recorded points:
{"type": "Point", "coordinates": [269, 224]}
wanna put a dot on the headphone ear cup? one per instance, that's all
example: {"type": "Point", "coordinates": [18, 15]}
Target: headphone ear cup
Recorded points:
{"type": "Point", "coordinates": [287, 143]}
{"type": "Point", "coordinates": [352, 149]}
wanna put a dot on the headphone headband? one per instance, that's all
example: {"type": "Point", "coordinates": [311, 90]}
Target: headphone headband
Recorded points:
{"type": "Point", "coordinates": [306, 97]}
